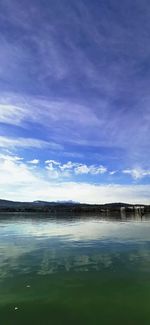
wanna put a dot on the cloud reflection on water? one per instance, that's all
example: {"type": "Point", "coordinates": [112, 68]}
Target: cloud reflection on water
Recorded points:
{"type": "Point", "coordinates": [49, 246]}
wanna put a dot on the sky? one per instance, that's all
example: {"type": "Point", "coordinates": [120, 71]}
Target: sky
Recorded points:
{"type": "Point", "coordinates": [75, 100]}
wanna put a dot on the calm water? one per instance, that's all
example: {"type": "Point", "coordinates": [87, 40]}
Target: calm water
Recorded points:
{"type": "Point", "coordinates": [74, 271]}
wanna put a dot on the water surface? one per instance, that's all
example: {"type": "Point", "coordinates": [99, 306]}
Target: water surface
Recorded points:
{"type": "Point", "coordinates": [74, 270]}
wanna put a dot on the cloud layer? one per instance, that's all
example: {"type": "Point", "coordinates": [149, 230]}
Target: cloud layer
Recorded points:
{"type": "Point", "coordinates": [74, 86]}
{"type": "Point", "coordinates": [18, 179]}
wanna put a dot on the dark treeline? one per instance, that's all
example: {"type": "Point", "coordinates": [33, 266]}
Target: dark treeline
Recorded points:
{"type": "Point", "coordinates": [73, 208]}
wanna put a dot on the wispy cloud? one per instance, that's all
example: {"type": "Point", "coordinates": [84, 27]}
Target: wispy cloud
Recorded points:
{"type": "Point", "coordinates": [113, 172]}
{"type": "Point", "coordinates": [21, 110]}
{"type": "Point", "coordinates": [76, 78]}
{"type": "Point", "coordinates": [98, 126]}
{"type": "Point", "coordinates": [10, 157]}
{"type": "Point", "coordinates": [137, 173]}
{"type": "Point", "coordinates": [10, 114]}
{"type": "Point", "coordinates": [8, 142]}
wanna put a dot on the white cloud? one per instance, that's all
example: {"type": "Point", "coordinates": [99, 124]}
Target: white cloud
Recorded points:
{"type": "Point", "coordinates": [52, 171]}
{"type": "Point", "coordinates": [14, 171]}
{"type": "Point", "coordinates": [19, 182]}
{"type": "Point", "coordinates": [8, 142]}
{"type": "Point", "coordinates": [51, 161]}
{"type": "Point", "coordinates": [69, 165]}
{"type": "Point", "coordinates": [74, 168]}
{"type": "Point", "coordinates": [82, 169]}
{"type": "Point", "coordinates": [137, 173]}
{"type": "Point", "coordinates": [34, 162]}
{"type": "Point", "coordinates": [113, 172]}
{"type": "Point", "coordinates": [98, 170]}
{"type": "Point", "coordinates": [91, 169]}
{"type": "Point", "coordinates": [55, 170]}
{"type": "Point", "coordinates": [10, 157]}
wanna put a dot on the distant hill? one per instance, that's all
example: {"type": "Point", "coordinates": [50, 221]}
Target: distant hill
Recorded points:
{"type": "Point", "coordinates": [64, 207]}
{"type": "Point", "coordinates": [57, 202]}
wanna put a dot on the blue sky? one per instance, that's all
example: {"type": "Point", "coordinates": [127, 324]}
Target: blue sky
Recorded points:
{"type": "Point", "coordinates": [75, 100]}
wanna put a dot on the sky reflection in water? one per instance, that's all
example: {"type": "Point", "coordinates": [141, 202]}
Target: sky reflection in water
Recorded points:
{"type": "Point", "coordinates": [45, 246]}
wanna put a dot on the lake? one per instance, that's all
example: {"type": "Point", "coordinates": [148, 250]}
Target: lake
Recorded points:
{"type": "Point", "coordinates": [74, 270]}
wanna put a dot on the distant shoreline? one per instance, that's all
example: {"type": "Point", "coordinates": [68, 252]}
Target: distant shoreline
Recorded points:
{"type": "Point", "coordinates": [65, 208]}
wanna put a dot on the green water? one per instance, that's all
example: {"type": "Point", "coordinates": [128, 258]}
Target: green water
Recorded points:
{"type": "Point", "coordinates": [83, 271]}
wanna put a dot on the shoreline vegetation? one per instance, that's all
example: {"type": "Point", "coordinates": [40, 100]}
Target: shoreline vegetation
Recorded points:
{"type": "Point", "coordinates": [119, 210]}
